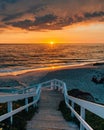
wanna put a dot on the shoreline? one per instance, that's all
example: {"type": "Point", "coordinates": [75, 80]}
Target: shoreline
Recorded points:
{"type": "Point", "coordinates": [75, 77]}
{"type": "Point", "coordinates": [41, 72]}
{"type": "Point", "coordinates": [49, 69]}
{"type": "Point", "coordinates": [23, 72]}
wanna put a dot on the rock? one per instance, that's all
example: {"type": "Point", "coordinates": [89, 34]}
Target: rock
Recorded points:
{"type": "Point", "coordinates": [98, 80]}
{"type": "Point", "coordinates": [80, 94]}
{"type": "Point", "coordinates": [98, 64]}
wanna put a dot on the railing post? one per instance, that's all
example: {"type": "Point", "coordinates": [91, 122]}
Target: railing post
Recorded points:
{"type": "Point", "coordinates": [59, 87]}
{"type": "Point", "coordinates": [72, 104]}
{"type": "Point", "coordinates": [52, 84]}
{"type": "Point", "coordinates": [55, 85]}
{"type": "Point", "coordinates": [82, 114]}
{"type": "Point", "coordinates": [26, 103]}
{"type": "Point", "coordinates": [10, 110]}
{"type": "Point", "coordinates": [66, 99]}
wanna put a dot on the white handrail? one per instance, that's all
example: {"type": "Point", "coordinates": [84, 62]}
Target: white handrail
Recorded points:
{"type": "Point", "coordinates": [9, 114]}
{"type": "Point", "coordinates": [79, 118]}
{"type": "Point", "coordinates": [14, 97]}
{"type": "Point", "coordinates": [92, 107]}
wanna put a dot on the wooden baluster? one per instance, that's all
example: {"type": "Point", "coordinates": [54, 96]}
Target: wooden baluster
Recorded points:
{"type": "Point", "coordinates": [10, 110]}
{"type": "Point", "coordinates": [26, 103]}
{"type": "Point", "coordinates": [82, 114]}
{"type": "Point", "coordinates": [72, 104]}
{"type": "Point", "coordinates": [52, 85]}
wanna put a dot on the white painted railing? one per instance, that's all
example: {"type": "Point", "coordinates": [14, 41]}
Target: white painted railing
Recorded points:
{"type": "Point", "coordinates": [84, 105]}
{"type": "Point", "coordinates": [9, 99]}
{"type": "Point", "coordinates": [54, 84]}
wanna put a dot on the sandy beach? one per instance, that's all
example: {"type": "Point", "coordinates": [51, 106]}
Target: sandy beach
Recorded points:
{"type": "Point", "coordinates": [75, 77]}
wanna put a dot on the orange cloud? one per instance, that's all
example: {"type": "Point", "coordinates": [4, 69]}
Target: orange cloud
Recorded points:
{"type": "Point", "coordinates": [32, 15]}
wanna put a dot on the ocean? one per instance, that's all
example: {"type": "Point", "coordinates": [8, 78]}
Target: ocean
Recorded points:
{"type": "Point", "coordinates": [25, 57]}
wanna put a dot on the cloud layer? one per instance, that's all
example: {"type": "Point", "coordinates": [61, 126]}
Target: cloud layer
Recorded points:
{"type": "Point", "coordinates": [49, 14]}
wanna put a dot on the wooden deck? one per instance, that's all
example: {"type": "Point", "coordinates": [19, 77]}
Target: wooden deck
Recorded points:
{"type": "Point", "coordinates": [48, 116]}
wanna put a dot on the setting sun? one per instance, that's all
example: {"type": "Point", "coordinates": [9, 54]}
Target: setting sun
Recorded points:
{"type": "Point", "coordinates": [51, 42]}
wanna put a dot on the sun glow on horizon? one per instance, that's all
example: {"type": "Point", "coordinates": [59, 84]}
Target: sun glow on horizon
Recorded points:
{"type": "Point", "coordinates": [78, 34]}
{"type": "Point", "coordinates": [51, 42]}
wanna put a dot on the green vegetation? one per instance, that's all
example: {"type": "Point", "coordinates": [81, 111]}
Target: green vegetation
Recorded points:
{"type": "Point", "coordinates": [20, 119]}
{"type": "Point", "coordinates": [94, 121]}
{"type": "Point", "coordinates": [67, 113]}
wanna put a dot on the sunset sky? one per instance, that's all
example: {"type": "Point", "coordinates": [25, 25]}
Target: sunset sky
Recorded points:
{"type": "Point", "coordinates": [45, 21]}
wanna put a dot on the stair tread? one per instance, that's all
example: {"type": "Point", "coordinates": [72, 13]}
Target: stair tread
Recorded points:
{"type": "Point", "coordinates": [48, 116]}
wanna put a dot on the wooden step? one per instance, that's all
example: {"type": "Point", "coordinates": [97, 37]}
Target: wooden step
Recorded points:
{"type": "Point", "coordinates": [48, 116]}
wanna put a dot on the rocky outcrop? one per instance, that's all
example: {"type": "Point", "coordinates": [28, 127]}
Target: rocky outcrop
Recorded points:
{"type": "Point", "coordinates": [98, 80]}
{"type": "Point", "coordinates": [98, 64]}
{"type": "Point", "coordinates": [80, 94]}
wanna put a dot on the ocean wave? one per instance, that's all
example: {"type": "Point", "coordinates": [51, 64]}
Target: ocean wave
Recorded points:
{"type": "Point", "coordinates": [17, 58]}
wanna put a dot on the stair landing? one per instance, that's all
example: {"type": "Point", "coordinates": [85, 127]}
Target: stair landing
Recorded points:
{"type": "Point", "coordinates": [48, 116]}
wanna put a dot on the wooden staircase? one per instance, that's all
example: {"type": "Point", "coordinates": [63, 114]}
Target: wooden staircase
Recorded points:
{"type": "Point", "coordinates": [48, 116]}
